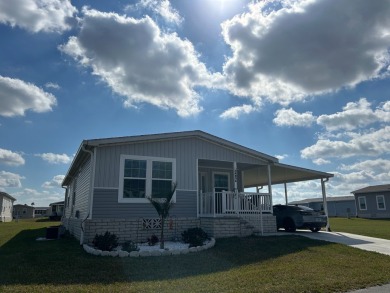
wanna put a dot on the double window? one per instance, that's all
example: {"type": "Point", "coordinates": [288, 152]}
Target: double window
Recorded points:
{"type": "Point", "coordinates": [142, 177]}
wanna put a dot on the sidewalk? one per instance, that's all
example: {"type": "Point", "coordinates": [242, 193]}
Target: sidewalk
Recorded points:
{"type": "Point", "coordinates": [358, 241]}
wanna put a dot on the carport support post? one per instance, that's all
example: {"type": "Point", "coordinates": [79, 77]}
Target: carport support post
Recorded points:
{"type": "Point", "coordinates": [285, 192]}
{"type": "Point", "coordinates": [325, 202]}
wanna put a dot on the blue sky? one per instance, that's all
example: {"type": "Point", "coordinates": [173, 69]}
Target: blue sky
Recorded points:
{"type": "Point", "coordinates": [306, 81]}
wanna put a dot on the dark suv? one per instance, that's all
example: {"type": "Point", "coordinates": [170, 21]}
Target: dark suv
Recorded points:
{"type": "Point", "coordinates": [291, 217]}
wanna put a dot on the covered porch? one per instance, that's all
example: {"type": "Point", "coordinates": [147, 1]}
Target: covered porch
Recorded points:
{"type": "Point", "coordinates": [222, 188]}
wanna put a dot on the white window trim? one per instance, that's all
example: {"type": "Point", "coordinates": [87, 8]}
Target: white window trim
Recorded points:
{"type": "Point", "coordinates": [365, 203]}
{"type": "Point", "coordinates": [148, 187]}
{"type": "Point", "coordinates": [221, 173]}
{"type": "Point", "coordinates": [377, 203]}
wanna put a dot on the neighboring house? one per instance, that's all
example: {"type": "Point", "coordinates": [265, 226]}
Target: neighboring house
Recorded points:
{"type": "Point", "coordinates": [338, 206]}
{"type": "Point", "coordinates": [6, 207]}
{"type": "Point", "coordinates": [41, 212]}
{"type": "Point", "coordinates": [109, 180]}
{"type": "Point", "coordinates": [23, 211]}
{"type": "Point", "coordinates": [373, 201]}
{"type": "Point", "coordinates": [57, 208]}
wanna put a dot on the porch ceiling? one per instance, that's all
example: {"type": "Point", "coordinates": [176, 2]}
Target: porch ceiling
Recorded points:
{"type": "Point", "coordinates": [280, 173]}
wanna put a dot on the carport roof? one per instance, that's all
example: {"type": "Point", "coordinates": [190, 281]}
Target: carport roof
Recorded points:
{"type": "Point", "coordinates": [281, 173]}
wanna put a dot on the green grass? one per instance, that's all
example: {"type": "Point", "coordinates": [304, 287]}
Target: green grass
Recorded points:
{"type": "Point", "coordinates": [379, 228]}
{"type": "Point", "coordinates": [253, 264]}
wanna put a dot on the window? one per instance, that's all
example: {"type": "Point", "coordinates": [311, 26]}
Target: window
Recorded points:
{"type": "Point", "coordinates": [380, 202]}
{"type": "Point", "coordinates": [221, 182]}
{"type": "Point", "coordinates": [145, 176]}
{"type": "Point", "coordinates": [362, 203]}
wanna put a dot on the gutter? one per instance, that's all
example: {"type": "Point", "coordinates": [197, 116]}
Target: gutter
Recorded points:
{"type": "Point", "coordinates": [91, 181]}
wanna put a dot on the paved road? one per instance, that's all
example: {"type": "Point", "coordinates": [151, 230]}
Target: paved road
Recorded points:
{"type": "Point", "coordinates": [358, 241]}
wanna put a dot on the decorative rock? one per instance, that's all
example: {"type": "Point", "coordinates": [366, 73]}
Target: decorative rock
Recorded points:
{"type": "Point", "coordinates": [192, 249]}
{"type": "Point", "coordinates": [175, 252]}
{"type": "Point", "coordinates": [144, 253]}
{"type": "Point", "coordinates": [134, 254]}
{"type": "Point", "coordinates": [105, 253]}
{"type": "Point", "coordinates": [98, 252]}
{"type": "Point", "coordinates": [113, 253]}
{"type": "Point", "coordinates": [123, 253]}
{"type": "Point", "coordinates": [184, 251]}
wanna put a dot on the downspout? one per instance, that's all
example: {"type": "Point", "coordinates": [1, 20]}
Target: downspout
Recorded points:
{"type": "Point", "coordinates": [90, 193]}
{"type": "Point", "coordinates": [325, 202]}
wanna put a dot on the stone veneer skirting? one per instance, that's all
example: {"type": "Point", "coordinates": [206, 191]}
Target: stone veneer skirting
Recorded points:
{"type": "Point", "coordinates": [136, 230]}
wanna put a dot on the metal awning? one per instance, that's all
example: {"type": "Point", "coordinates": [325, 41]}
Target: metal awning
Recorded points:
{"type": "Point", "coordinates": [280, 173]}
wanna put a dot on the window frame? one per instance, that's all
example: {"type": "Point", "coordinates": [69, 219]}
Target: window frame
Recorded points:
{"type": "Point", "coordinates": [365, 203]}
{"type": "Point", "coordinates": [221, 173]}
{"type": "Point", "coordinates": [149, 178]}
{"type": "Point", "coordinates": [377, 203]}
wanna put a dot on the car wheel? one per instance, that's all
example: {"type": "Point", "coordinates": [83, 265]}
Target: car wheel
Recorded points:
{"type": "Point", "coordinates": [315, 229]}
{"type": "Point", "coordinates": [289, 225]}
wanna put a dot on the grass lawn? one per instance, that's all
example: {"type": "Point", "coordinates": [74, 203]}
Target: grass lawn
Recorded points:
{"type": "Point", "coordinates": [253, 264]}
{"type": "Point", "coordinates": [367, 227]}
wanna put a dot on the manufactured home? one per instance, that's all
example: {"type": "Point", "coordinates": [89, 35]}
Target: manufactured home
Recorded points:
{"type": "Point", "coordinates": [6, 207]}
{"type": "Point", "coordinates": [110, 179]}
{"type": "Point", "coordinates": [373, 201]}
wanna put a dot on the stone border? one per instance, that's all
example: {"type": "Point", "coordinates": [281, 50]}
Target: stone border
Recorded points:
{"type": "Point", "coordinates": [121, 253]}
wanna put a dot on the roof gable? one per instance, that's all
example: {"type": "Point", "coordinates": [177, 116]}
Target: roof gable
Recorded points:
{"type": "Point", "coordinates": [373, 188]}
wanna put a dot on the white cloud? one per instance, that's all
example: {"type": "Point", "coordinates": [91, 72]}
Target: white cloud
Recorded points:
{"type": "Point", "coordinates": [306, 48]}
{"type": "Point", "coordinates": [140, 62]}
{"type": "Point", "coordinates": [17, 96]}
{"type": "Point", "coordinates": [321, 161]}
{"type": "Point", "coordinates": [11, 158]}
{"type": "Point", "coordinates": [377, 166]}
{"type": "Point", "coordinates": [40, 198]}
{"type": "Point", "coordinates": [55, 158]}
{"type": "Point", "coordinates": [288, 117]}
{"type": "Point", "coordinates": [355, 115]}
{"type": "Point", "coordinates": [8, 179]}
{"type": "Point", "coordinates": [38, 15]}
{"type": "Point", "coordinates": [159, 7]}
{"type": "Point", "coordinates": [52, 85]}
{"type": "Point", "coordinates": [281, 157]}
{"type": "Point", "coordinates": [374, 143]}
{"type": "Point", "coordinates": [235, 112]}
{"type": "Point", "coordinates": [54, 182]}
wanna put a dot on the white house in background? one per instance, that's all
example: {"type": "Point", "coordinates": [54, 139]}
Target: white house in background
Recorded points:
{"type": "Point", "coordinates": [56, 209]}
{"type": "Point", "coordinates": [110, 180]}
{"type": "Point", "coordinates": [6, 207]}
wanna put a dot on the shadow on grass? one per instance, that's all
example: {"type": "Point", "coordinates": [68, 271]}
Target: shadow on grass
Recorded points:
{"type": "Point", "coordinates": [63, 261]}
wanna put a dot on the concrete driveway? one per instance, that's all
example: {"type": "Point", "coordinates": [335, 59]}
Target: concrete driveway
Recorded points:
{"type": "Point", "coordinates": [358, 241]}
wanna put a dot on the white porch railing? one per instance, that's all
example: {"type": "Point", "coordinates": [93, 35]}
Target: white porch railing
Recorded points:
{"type": "Point", "coordinates": [228, 203]}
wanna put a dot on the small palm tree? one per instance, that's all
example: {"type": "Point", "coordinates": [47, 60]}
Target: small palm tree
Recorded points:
{"type": "Point", "coordinates": [163, 205]}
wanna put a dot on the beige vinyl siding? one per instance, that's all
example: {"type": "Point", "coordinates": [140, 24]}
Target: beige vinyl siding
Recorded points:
{"type": "Point", "coordinates": [186, 151]}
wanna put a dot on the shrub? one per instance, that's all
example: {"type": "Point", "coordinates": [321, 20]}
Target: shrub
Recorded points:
{"type": "Point", "coordinates": [130, 246]}
{"type": "Point", "coordinates": [105, 242]}
{"type": "Point", "coordinates": [194, 236]}
{"type": "Point", "coordinates": [152, 240]}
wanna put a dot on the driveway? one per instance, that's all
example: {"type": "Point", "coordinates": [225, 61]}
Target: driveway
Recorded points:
{"type": "Point", "coordinates": [358, 241]}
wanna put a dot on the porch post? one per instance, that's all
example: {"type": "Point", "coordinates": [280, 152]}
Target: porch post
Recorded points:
{"type": "Point", "coordinates": [269, 183]}
{"type": "Point", "coordinates": [285, 192]}
{"type": "Point", "coordinates": [236, 199]}
{"type": "Point", "coordinates": [325, 202]}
